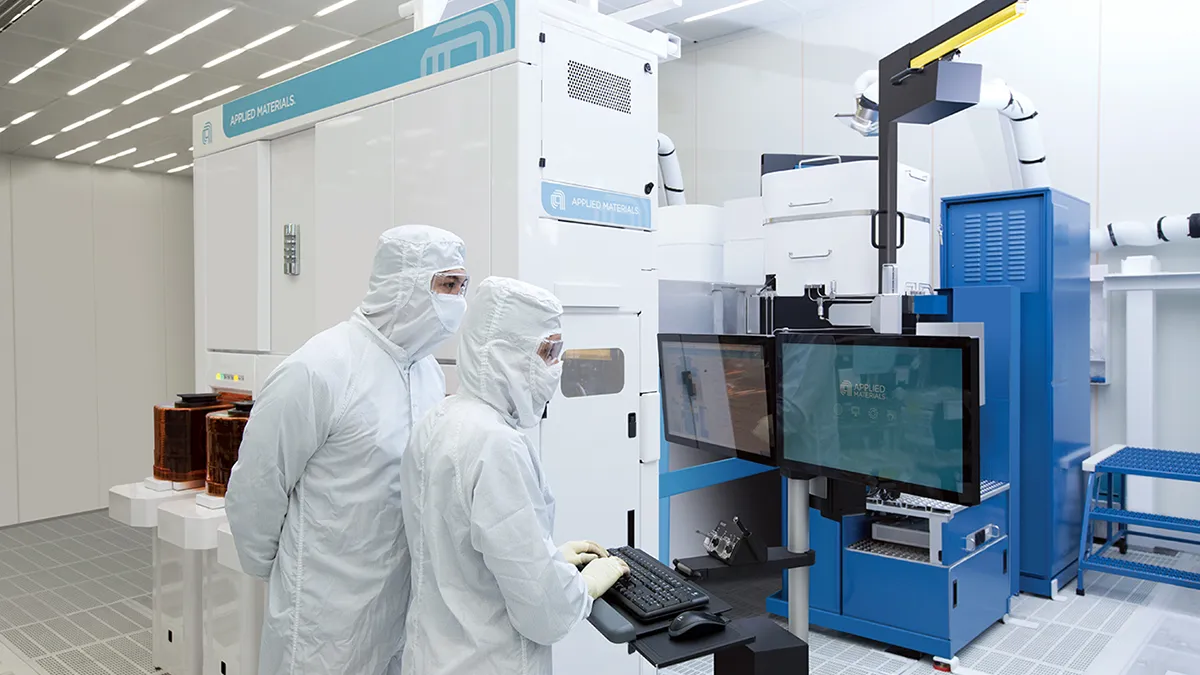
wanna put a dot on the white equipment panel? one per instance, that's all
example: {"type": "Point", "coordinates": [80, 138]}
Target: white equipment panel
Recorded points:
{"type": "Point", "coordinates": [818, 224]}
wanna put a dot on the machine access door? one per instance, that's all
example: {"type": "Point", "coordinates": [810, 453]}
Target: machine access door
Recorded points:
{"type": "Point", "coordinates": [590, 455]}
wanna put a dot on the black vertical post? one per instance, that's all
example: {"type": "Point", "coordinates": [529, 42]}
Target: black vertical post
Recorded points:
{"type": "Point", "coordinates": [889, 148]}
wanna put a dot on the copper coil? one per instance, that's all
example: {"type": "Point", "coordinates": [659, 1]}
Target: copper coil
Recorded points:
{"type": "Point", "coordinates": [181, 437]}
{"type": "Point", "coordinates": [224, 439]}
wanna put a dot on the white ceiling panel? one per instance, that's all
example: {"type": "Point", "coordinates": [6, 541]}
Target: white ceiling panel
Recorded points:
{"type": "Point", "coordinates": [59, 23]}
{"type": "Point", "coordinates": [127, 39]}
{"type": "Point", "coordinates": [301, 41]}
{"type": "Point", "coordinates": [108, 7]}
{"type": "Point", "coordinates": [81, 64]}
{"type": "Point", "coordinates": [360, 18]}
{"type": "Point", "coordinates": [243, 26]}
{"type": "Point", "coordinates": [299, 10]}
{"type": "Point", "coordinates": [391, 31]}
{"type": "Point", "coordinates": [246, 67]}
{"type": "Point", "coordinates": [23, 49]}
{"type": "Point", "coordinates": [14, 103]}
{"type": "Point", "coordinates": [176, 15]}
{"type": "Point", "coordinates": [191, 53]}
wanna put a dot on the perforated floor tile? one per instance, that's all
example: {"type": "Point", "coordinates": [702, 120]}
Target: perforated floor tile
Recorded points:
{"type": "Point", "coordinates": [74, 597]}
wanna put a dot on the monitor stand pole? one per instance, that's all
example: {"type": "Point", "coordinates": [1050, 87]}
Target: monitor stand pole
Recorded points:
{"type": "Point", "coordinates": [797, 496]}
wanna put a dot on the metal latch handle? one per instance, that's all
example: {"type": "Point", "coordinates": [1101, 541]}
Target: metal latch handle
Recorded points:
{"type": "Point", "coordinates": [795, 205]}
{"type": "Point", "coordinates": [814, 256]}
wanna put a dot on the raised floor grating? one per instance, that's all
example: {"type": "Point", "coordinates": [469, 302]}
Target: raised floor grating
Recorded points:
{"type": "Point", "coordinates": [74, 596]}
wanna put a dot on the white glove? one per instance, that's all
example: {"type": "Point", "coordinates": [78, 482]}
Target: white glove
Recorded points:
{"type": "Point", "coordinates": [602, 573]}
{"type": "Point", "coordinates": [580, 553]}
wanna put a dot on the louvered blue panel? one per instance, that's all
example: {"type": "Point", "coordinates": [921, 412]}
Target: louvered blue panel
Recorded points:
{"type": "Point", "coordinates": [972, 248]}
{"type": "Point", "coordinates": [1037, 242]}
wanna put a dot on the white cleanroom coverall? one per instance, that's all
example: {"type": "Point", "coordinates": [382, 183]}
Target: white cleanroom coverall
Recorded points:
{"type": "Point", "coordinates": [491, 592]}
{"type": "Point", "coordinates": [314, 499]}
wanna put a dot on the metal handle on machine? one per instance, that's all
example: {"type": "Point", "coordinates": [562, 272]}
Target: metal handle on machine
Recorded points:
{"type": "Point", "coordinates": [815, 256]}
{"type": "Point", "coordinates": [814, 160]}
{"type": "Point", "coordinates": [916, 176]}
{"type": "Point", "coordinates": [875, 230]}
{"type": "Point", "coordinates": [798, 205]}
{"type": "Point", "coordinates": [291, 249]}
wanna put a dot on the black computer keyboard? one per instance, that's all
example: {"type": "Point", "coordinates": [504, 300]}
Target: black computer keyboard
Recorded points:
{"type": "Point", "coordinates": [652, 590]}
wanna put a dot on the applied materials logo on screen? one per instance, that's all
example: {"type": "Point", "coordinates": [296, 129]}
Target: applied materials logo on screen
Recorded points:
{"type": "Point", "coordinates": [558, 200]}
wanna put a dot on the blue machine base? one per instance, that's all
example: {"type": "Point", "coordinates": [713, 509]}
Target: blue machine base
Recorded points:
{"type": "Point", "coordinates": [1045, 587]}
{"type": "Point", "coordinates": [777, 604]}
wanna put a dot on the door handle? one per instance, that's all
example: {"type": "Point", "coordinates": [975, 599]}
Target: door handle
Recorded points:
{"type": "Point", "coordinates": [797, 205]}
{"type": "Point", "coordinates": [815, 256]}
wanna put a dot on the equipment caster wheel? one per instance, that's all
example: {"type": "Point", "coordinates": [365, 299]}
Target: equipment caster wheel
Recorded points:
{"type": "Point", "coordinates": [945, 666]}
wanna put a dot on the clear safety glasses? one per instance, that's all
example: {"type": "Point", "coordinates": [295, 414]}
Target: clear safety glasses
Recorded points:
{"type": "Point", "coordinates": [551, 349]}
{"type": "Point", "coordinates": [454, 282]}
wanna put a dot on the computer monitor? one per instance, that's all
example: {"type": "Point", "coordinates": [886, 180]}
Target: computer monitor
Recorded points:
{"type": "Point", "coordinates": [894, 411]}
{"type": "Point", "coordinates": [717, 393]}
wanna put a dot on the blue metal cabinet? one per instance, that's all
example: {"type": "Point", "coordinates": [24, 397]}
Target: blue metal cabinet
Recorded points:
{"type": "Point", "coordinates": [1037, 242]}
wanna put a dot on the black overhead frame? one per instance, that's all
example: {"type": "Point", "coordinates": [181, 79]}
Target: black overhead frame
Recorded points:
{"type": "Point", "coordinates": [914, 93]}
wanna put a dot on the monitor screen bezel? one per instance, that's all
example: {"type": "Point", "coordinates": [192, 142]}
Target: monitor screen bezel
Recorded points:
{"type": "Point", "coordinates": [768, 346]}
{"type": "Point", "coordinates": [971, 416]}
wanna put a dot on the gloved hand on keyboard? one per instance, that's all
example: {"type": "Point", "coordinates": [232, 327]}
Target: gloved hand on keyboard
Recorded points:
{"type": "Point", "coordinates": [602, 573]}
{"type": "Point", "coordinates": [580, 553]}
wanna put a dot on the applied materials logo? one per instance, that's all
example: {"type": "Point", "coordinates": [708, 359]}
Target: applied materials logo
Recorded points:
{"type": "Point", "coordinates": [475, 35]}
{"type": "Point", "coordinates": [558, 200]}
{"type": "Point", "coordinates": [206, 134]}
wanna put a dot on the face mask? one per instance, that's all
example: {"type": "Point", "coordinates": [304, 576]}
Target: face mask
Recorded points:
{"type": "Point", "coordinates": [544, 382]}
{"type": "Point", "coordinates": [450, 310]}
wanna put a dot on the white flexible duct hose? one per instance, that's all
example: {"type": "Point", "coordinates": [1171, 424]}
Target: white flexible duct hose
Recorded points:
{"type": "Point", "coordinates": [672, 175]}
{"type": "Point", "coordinates": [1027, 133]}
{"type": "Point", "coordinates": [1131, 233]}
{"type": "Point", "coordinates": [994, 95]}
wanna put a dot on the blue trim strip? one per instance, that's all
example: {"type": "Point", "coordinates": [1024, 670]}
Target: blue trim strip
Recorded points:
{"type": "Point", "coordinates": [673, 483]}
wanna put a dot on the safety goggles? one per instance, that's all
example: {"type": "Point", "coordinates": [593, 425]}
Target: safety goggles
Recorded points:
{"type": "Point", "coordinates": [450, 283]}
{"type": "Point", "coordinates": [551, 350]}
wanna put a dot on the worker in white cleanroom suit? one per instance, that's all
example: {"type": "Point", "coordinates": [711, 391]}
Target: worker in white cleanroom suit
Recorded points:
{"type": "Point", "coordinates": [491, 592]}
{"type": "Point", "coordinates": [314, 499]}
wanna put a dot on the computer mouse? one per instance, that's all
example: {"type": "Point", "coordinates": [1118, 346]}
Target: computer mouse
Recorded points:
{"type": "Point", "coordinates": [692, 625]}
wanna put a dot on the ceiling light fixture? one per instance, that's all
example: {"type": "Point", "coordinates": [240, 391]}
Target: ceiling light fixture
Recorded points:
{"type": "Point", "coordinates": [310, 57]}
{"type": "Point", "coordinates": [99, 78]}
{"type": "Point", "coordinates": [206, 99]}
{"type": "Point", "coordinates": [187, 106]}
{"type": "Point", "coordinates": [40, 64]}
{"type": "Point", "coordinates": [139, 125]}
{"type": "Point", "coordinates": [169, 83]}
{"type": "Point", "coordinates": [142, 164]}
{"type": "Point", "coordinates": [112, 19]}
{"type": "Point", "coordinates": [257, 43]}
{"type": "Point", "coordinates": [81, 148]}
{"type": "Point", "coordinates": [19, 14]}
{"type": "Point", "coordinates": [119, 154]}
{"type": "Point", "coordinates": [24, 117]}
{"type": "Point", "coordinates": [219, 94]}
{"type": "Point", "coordinates": [166, 157]}
{"type": "Point", "coordinates": [188, 31]}
{"type": "Point", "coordinates": [43, 139]}
{"type": "Point", "coordinates": [334, 7]}
{"type": "Point", "coordinates": [721, 10]}
{"type": "Point", "coordinates": [90, 118]}
{"type": "Point", "coordinates": [3, 128]}
{"type": "Point", "coordinates": [190, 147]}
{"type": "Point", "coordinates": [179, 168]}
